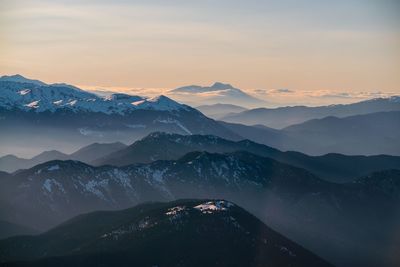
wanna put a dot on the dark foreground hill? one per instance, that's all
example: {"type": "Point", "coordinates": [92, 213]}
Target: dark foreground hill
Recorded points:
{"type": "Point", "coordinates": [179, 233]}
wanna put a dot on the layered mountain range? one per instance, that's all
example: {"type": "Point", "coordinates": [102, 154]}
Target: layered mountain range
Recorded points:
{"type": "Point", "coordinates": [285, 116]}
{"type": "Point", "coordinates": [169, 146]}
{"type": "Point", "coordinates": [368, 134]}
{"type": "Point", "coordinates": [36, 116]}
{"type": "Point", "coordinates": [164, 146]}
{"type": "Point", "coordinates": [330, 204]}
{"type": "Point", "coordinates": [87, 154]}
{"type": "Point", "coordinates": [292, 200]}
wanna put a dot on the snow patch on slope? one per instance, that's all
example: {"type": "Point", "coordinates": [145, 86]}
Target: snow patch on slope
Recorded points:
{"type": "Point", "coordinates": [176, 122]}
{"type": "Point", "coordinates": [214, 206]}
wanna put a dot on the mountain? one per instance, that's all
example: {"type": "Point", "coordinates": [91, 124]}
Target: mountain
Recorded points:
{"type": "Point", "coordinates": [56, 190]}
{"type": "Point", "coordinates": [20, 79]}
{"type": "Point", "coordinates": [38, 117]}
{"type": "Point", "coordinates": [374, 133]}
{"type": "Point", "coordinates": [87, 154]}
{"type": "Point", "coordinates": [161, 234]}
{"type": "Point", "coordinates": [368, 134]}
{"type": "Point", "coordinates": [387, 181]}
{"type": "Point", "coordinates": [22, 94]}
{"type": "Point", "coordinates": [164, 146]}
{"type": "Point", "coordinates": [286, 116]}
{"type": "Point", "coordinates": [218, 93]}
{"type": "Point", "coordinates": [47, 156]}
{"type": "Point", "coordinates": [8, 229]}
{"type": "Point", "coordinates": [327, 218]}
{"type": "Point", "coordinates": [11, 163]}
{"type": "Point", "coordinates": [218, 111]}
{"type": "Point", "coordinates": [94, 151]}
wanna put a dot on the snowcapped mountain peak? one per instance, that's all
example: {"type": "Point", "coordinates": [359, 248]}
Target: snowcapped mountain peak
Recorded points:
{"type": "Point", "coordinates": [25, 94]}
{"type": "Point", "coordinates": [20, 79]}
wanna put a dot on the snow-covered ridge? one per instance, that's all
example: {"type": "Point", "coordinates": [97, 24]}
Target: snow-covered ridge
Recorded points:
{"type": "Point", "coordinates": [21, 93]}
{"type": "Point", "coordinates": [209, 207]}
{"type": "Point", "coordinates": [214, 206]}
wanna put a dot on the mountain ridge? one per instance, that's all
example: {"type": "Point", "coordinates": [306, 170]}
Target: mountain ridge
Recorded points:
{"type": "Point", "coordinates": [285, 116]}
{"type": "Point", "coordinates": [27, 94]}
{"type": "Point", "coordinates": [11, 163]}
{"type": "Point", "coordinates": [166, 146]}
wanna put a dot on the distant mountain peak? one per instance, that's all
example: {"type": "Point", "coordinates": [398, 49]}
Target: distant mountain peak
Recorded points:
{"type": "Point", "coordinates": [201, 89]}
{"type": "Point", "coordinates": [219, 85]}
{"type": "Point", "coordinates": [218, 92]}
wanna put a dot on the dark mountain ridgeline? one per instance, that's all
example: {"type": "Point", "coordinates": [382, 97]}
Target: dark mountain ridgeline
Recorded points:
{"type": "Point", "coordinates": [87, 154]}
{"type": "Point", "coordinates": [368, 134]}
{"type": "Point", "coordinates": [163, 146]}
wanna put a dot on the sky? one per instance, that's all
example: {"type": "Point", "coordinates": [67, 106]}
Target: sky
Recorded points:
{"type": "Point", "coordinates": [306, 52]}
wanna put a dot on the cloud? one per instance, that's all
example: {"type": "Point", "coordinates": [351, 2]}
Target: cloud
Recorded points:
{"type": "Point", "coordinates": [274, 97]}
{"type": "Point", "coordinates": [107, 90]}
{"type": "Point", "coordinates": [285, 97]}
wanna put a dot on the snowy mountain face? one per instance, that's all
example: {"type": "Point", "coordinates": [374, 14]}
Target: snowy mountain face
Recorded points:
{"type": "Point", "coordinates": [36, 117]}
{"type": "Point", "coordinates": [20, 79]}
{"type": "Point", "coordinates": [20, 93]}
